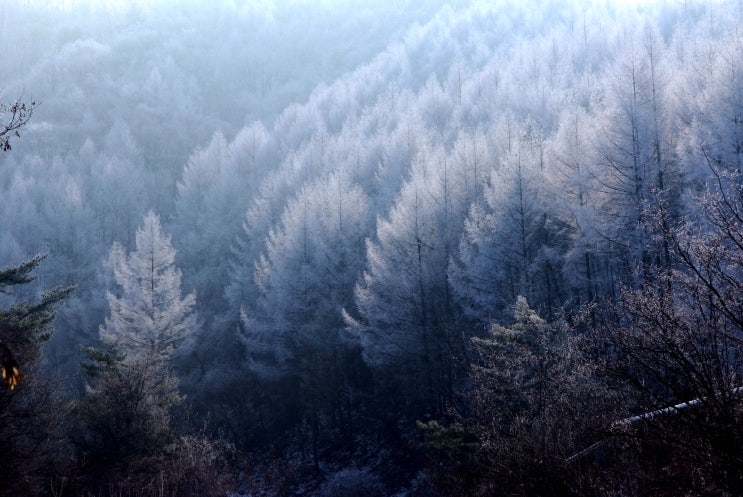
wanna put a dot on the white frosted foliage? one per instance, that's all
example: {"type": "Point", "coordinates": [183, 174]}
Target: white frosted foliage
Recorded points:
{"type": "Point", "coordinates": [148, 315]}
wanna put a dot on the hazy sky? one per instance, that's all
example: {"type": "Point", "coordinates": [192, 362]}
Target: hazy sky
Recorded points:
{"type": "Point", "coordinates": [257, 4]}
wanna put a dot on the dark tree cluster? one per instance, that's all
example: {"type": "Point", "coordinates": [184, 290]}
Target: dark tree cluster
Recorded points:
{"type": "Point", "coordinates": [32, 412]}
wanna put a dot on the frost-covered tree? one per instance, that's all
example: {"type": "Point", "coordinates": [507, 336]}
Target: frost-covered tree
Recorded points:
{"type": "Point", "coordinates": [306, 274]}
{"type": "Point", "coordinates": [206, 215]}
{"type": "Point", "coordinates": [571, 159]}
{"type": "Point", "coordinates": [404, 316]}
{"type": "Point", "coordinates": [214, 192]}
{"type": "Point", "coordinates": [530, 382]}
{"type": "Point", "coordinates": [513, 243]}
{"type": "Point", "coordinates": [125, 418]}
{"type": "Point", "coordinates": [13, 117]}
{"type": "Point", "coordinates": [293, 332]}
{"type": "Point", "coordinates": [149, 316]}
{"type": "Point", "coordinates": [636, 165]}
{"type": "Point", "coordinates": [716, 120]}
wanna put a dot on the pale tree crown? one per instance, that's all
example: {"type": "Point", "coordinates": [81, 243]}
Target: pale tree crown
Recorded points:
{"type": "Point", "coordinates": [148, 316]}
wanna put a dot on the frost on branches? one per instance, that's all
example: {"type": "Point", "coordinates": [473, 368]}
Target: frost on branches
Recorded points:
{"type": "Point", "coordinates": [148, 315]}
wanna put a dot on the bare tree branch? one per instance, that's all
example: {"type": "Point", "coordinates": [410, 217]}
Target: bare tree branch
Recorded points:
{"type": "Point", "coordinates": [13, 117]}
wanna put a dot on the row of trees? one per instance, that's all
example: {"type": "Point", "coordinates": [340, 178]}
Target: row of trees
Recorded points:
{"type": "Point", "coordinates": [566, 209]}
{"type": "Point", "coordinates": [550, 402]}
{"type": "Point", "coordinates": [357, 264]}
{"type": "Point", "coordinates": [524, 417]}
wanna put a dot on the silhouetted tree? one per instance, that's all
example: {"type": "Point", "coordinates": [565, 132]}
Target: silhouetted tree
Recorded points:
{"type": "Point", "coordinates": [31, 410]}
{"type": "Point", "coordinates": [13, 117]}
{"type": "Point", "coordinates": [678, 345]}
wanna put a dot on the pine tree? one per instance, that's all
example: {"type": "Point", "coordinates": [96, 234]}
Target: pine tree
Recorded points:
{"type": "Point", "coordinates": [30, 410]}
{"type": "Point", "coordinates": [529, 409]}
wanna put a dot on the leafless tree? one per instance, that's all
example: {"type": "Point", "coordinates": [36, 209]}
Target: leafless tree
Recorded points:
{"type": "Point", "coordinates": [679, 343]}
{"type": "Point", "coordinates": [13, 118]}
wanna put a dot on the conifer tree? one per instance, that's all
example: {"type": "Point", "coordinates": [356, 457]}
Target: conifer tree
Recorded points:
{"type": "Point", "coordinates": [125, 420]}
{"type": "Point", "coordinates": [149, 317]}
{"type": "Point", "coordinates": [30, 410]}
{"type": "Point", "coordinates": [529, 411]}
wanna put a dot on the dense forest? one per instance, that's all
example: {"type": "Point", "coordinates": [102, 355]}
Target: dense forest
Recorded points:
{"type": "Point", "coordinates": [466, 248]}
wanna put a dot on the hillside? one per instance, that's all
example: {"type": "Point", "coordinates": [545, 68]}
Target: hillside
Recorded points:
{"type": "Point", "coordinates": [363, 199]}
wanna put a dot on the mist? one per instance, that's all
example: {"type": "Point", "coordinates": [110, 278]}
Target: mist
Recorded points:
{"type": "Point", "coordinates": [347, 247]}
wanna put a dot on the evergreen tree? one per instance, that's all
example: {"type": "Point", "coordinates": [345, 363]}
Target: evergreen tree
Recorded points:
{"type": "Point", "coordinates": [31, 412]}
{"type": "Point", "coordinates": [531, 381]}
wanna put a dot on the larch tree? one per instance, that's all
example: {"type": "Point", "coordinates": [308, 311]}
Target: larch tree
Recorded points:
{"type": "Point", "coordinates": [711, 96]}
{"type": "Point", "coordinates": [569, 155]}
{"type": "Point", "coordinates": [636, 166]}
{"type": "Point", "coordinates": [512, 242]}
{"type": "Point", "coordinates": [125, 420]}
{"type": "Point", "coordinates": [309, 265]}
{"type": "Point", "coordinates": [405, 319]}
{"type": "Point", "coordinates": [149, 317]}
{"type": "Point", "coordinates": [208, 212]}
{"type": "Point", "coordinates": [294, 332]}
